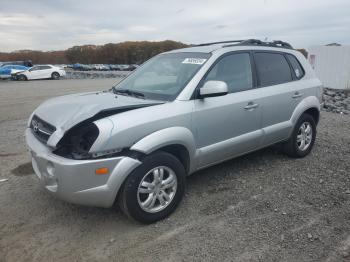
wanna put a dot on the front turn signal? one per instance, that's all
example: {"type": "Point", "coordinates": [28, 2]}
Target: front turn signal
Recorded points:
{"type": "Point", "coordinates": [102, 171]}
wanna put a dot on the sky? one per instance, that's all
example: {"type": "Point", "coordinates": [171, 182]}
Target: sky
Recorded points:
{"type": "Point", "coordinates": [60, 24]}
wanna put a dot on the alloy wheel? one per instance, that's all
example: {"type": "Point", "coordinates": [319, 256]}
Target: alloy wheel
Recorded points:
{"type": "Point", "coordinates": [157, 189]}
{"type": "Point", "coordinates": [304, 137]}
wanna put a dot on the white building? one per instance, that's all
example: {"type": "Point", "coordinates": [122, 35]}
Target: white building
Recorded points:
{"type": "Point", "coordinates": [331, 64]}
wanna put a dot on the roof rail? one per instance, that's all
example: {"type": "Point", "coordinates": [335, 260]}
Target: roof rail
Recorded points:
{"type": "Point", "coordinates": [221, 42]}
{"type": "Point", "coordinates": [257, 42]}
{"type": "Point", "coordinates": [249, 42]}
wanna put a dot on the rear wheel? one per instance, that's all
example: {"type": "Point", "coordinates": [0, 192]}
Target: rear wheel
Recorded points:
{"type": "Point", "coordinates": [55, 75]}
{"type": "Point", "coordinates": [22, 78]}
{"type": "Point", "coordinates": [303, 137]}
{"type": "Point", "coordinates": [154, 189]}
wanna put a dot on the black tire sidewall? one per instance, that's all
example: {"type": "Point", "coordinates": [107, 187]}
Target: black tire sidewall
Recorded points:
{"type": "Point", "coordinates": [129, 194]}
{"type": "Point", "coordinates": [22, 78]}
{"type": "Point", "coordinates": [304, 118]}
{"type": "Point", "coordinates": [55, 75]}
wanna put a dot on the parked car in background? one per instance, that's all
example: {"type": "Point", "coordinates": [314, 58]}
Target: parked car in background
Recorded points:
{"type": "Point", "coordinates": [124, 67]}
{"type": "Point", "coordinates": [27, 63]}
{"type": "Point", "coordinates": [40, 72]}
{"type": "Point", "coordinates": [103, 67]}
{"type": "Point", "coordinates": [133, 67]}
{"type": "Point", "coordinates": [80, 67]}
{"type": "Point", "coordinates": [7, 70]}
{"type": "Point", "coordinates": [100, 67]}
{"type": "Point", "coordinates": [113, 67]}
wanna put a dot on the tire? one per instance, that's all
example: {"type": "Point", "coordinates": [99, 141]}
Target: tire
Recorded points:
{"type": "Point", "coordinates": [55, 76]}
{"type": "Point", "coordinates": [294, 146]}
{"type": "Point", "coordinates": [22, 78]}
{"type": "Point", "coordinates": [134, 202]}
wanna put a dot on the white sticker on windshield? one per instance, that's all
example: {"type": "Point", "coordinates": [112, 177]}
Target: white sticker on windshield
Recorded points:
{"type": "Point", "coordinates": [194, 61]}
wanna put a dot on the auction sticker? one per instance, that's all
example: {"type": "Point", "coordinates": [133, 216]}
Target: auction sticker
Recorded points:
{"type": "Point", "coordinates": [194, 61]}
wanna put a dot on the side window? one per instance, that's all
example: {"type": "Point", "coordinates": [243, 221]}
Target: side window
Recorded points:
{"type": "Point", "coordinates": [298, 69]}
{"type": "Point", "coordinates": [35, 68]}
{"type": "Point", "coordinates": [235, 70]}
{"type": "Point", "coordinates": [272, 68]}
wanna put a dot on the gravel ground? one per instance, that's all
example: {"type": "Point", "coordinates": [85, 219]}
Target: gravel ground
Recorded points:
{"type": "Point", "coordinates": [260, 207]}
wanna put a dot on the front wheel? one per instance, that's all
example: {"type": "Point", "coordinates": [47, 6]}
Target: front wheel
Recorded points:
{"type": "Point", "coordinates": [154, 189]}
{"type": "Point", "coordinates": [22, 78]}
{"type": "Point", "coordinates": [303, 137]}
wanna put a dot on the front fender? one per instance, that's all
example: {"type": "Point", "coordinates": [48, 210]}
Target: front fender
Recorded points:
{"type": "Point", "coordinates": [165, 137]}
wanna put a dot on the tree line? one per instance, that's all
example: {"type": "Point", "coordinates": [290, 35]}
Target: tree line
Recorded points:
{"type": "Point", "coordinates": [120, 53]}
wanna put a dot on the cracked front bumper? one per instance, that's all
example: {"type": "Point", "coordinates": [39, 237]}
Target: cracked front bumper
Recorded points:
{"type": "Point", "coordinates": [75, 181]}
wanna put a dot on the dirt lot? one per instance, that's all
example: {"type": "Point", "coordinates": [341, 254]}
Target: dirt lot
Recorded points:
{"type": "Point", "coordinates": [260, 207]}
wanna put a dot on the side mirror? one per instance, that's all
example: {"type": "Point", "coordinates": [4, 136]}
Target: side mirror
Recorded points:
{"type": "Point", "coordinates": [213, 88]}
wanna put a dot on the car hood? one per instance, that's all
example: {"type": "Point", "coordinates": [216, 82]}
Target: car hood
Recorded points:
{"type": "Point", "coordinates": [64, 112]}
{"type": "Point", "coordinates": [15, 71]}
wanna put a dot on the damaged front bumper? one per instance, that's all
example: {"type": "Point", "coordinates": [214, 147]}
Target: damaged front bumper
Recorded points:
{"type": "Point", "coordinates": [75, 181]}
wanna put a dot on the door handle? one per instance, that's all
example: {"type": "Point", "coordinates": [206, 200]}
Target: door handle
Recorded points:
{"type": "Point", "coordinates": [251, 105]}
{"type": "Point", "coordinates": [297, 95]}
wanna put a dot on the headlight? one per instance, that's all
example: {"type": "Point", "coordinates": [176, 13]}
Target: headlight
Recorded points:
{"type": "Point", "coordinates": [77, 142]}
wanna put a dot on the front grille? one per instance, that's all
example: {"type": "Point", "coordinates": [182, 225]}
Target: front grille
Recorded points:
{"type": "Point", "coordinates": [41, 129]}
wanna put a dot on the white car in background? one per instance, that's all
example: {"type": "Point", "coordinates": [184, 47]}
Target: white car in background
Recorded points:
{"type": "Point", "coordinates": [40, 72]}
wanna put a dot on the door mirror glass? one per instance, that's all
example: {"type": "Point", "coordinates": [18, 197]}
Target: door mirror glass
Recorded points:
{"type": "Point", "coordinates": [213, 88]}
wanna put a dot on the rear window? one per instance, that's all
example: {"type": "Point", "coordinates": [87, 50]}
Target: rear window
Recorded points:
{"type": "Point", "coordinates": [297, 68]}
{"type": "Point", "coordinates": [272, 68]}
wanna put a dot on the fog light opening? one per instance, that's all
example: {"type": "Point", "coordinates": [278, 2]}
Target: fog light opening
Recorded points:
{"type": "Point", "coordinates": [50, 169]}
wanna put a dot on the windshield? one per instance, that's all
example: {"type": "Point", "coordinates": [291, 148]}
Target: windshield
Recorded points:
{"type": "Point", "coordinates": [162, 77]}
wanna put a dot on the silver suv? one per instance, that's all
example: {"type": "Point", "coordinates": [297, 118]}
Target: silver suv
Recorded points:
{"type": "Point", "coordinates": [181, 111]}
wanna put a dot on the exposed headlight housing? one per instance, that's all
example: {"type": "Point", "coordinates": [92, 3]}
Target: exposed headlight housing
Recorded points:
{"type": "Point", "coordinates": [77, 142]}
{"type": "Point", "coordinates": [106, 153]}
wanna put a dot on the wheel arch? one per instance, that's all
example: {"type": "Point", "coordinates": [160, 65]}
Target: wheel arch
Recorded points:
{"type": "Point", "coordinates": [310, 105]}
{"type": "Point", "coordinates": [178, 141]}
{"type": "Point", "coordinates": [180, 152]}
{"type": "Point", "coordinates": [24, 75]}
{"type": "Point", "coordinates": [314, 112]}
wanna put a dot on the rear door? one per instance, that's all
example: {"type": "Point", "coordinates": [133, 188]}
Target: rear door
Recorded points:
{"type": "Point", "coordinates": [281, 93]}
{"type": "Point", "coordinates": [228, 125]}
{"type": "Point", "coordinates": [45, 72]}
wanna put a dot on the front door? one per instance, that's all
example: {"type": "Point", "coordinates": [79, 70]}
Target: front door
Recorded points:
{"type": "Point", "coordinates": [228, 125]}
{"type": "Point", "coordinates": [34, 72]}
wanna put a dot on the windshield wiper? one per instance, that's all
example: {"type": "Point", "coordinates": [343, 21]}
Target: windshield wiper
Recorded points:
{"type": "Point", "coordinates": [128, 92]}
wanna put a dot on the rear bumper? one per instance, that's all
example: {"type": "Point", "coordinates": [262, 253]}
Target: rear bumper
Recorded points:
{"type": "Point", "coordinates": [75, 181]}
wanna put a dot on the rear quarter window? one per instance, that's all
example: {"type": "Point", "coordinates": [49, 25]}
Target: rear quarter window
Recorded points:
{"type": "Point", "coordinates": [272, 68]}
{"type": "Point", "coordinates": [299, 71]}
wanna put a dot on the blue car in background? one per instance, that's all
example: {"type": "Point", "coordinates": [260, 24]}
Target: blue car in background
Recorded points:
{"type": "Point", "coordinates": [7, 70]}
